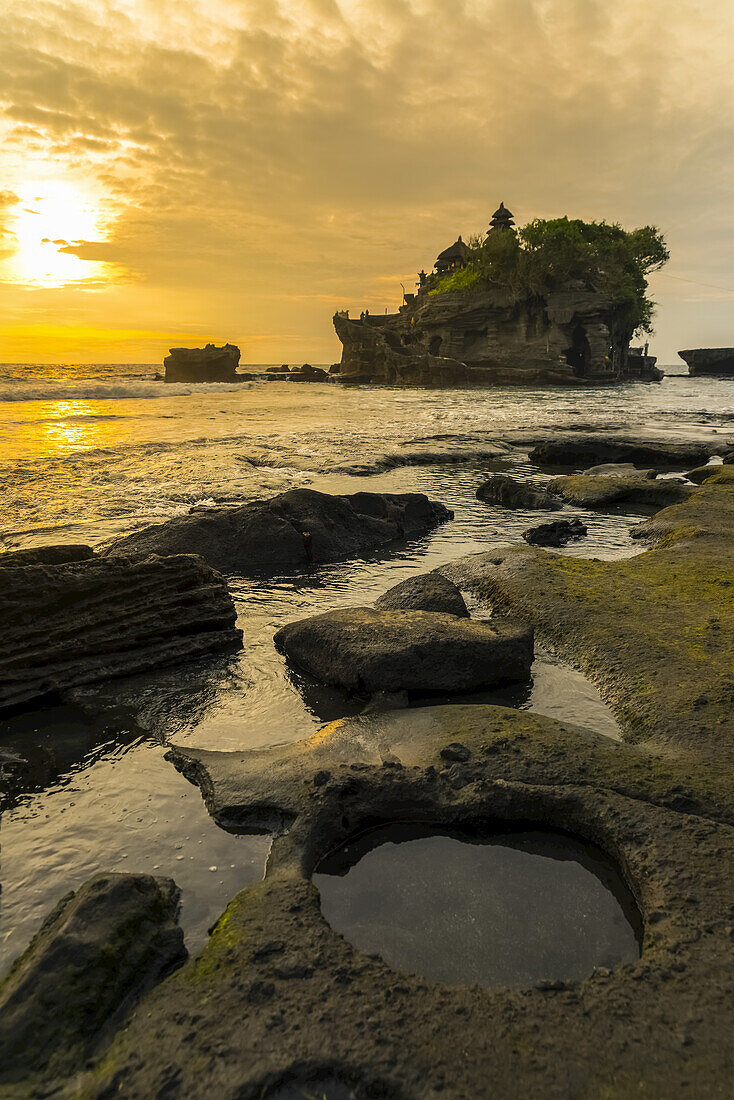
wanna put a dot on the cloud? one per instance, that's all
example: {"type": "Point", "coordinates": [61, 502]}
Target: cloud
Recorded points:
{"type": "Point", "coordinates": [262, 151]}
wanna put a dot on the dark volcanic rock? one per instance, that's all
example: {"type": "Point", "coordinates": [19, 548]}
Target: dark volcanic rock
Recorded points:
{"type": "Point", "coordinates": [598, 491]}
{"type": "Point", "coordinates": [307, 373]}
{"type": "Point", "coordinates": [557, 533]}
{"type": "Point", "coordinates": [365, 650]}
{"type": "Point", "coordinates": [711, 361]}
{"type": "Point", "coordinates": [208, 364]}
{"type": "Point", "coordinates": [590, 451]}
{"type": "Point", "coordinates": [728, 458]}
{"type": "Point", "coordinates": [430, 592]}
{"type": "Point", "coordinates": [503, 489]}
{"type": "Point", "coordinates": [291, 529]}
{"type": "Point", "coordinates": [95, 955]}
{"type": "Point", "coordinates": [83, 621]}
{"type": "Point", "coordinates": [699, 475]}
{"type": "Point", "coordinates": [46, 555]}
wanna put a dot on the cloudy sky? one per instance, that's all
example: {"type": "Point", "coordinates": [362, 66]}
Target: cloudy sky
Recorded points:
{"type": "Point", "coordinates": [181, 170]}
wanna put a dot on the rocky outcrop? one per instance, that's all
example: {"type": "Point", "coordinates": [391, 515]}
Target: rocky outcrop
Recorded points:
{"type": "Point", "coordinates": [588, 451]}
{"type": "Point", "coordinates": [598, 491]}
{"type": "Point", "coordinates": [430, 592]}
{"type": "Point", "coordinates": [96, 954]}
{"type": "Point", "coordinates": [365, 650]}
{"type": "Point", "coordinates": [710, 361]}
{"type": "Point", "coordinates": [503, 489]}
{"type": "Point", "coordinates": [293, 528]}
{"type": "Point", "coordinates": [68, 623]}
{"type": "Point", "coordinates": [307, 373]}
{"type": "Point", "coordinates": [208, 364]}
{"type": "Point", "coordinates": [556, 534]}
{"type": "Point", "coordinates": [488, 336]}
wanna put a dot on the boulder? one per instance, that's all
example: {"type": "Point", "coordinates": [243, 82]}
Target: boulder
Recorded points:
{"type": "Point", "coordinates": [307, 373]}
{"type": "Point", "coordinates": [598, 491]}
{"type": "Point", "coordinates": [709, 361]}
{"type": "Point", "coordinates": [68, 623]}
{"type": "Point", "coordinates": [366, 650]}
{"type": "Point", "coordinates": [728, 458]}
{"type": "Point", "coordinates": [294, 528]}
{"type": "Point", "coordinates": [557, 533]}
{"type": "Point", "coordinates": [503, 489]}
{"type": "Point", "coordinates": [208, 364]}
{"type": "Point", "coordinates": [699, 475]}
{"type": "Point", "coordinates": [95, 955]}
{"type": "Point", "coordinates": [429, 592]}
{"type": "Point", "coordinates": [592, 450]}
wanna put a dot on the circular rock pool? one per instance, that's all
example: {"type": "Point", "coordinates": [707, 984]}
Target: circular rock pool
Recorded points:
{"type": "Point", "coordinates": [511, 909]}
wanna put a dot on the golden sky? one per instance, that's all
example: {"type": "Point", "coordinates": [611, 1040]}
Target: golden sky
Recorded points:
{"type": "Point", "coordinates": [181, 170]}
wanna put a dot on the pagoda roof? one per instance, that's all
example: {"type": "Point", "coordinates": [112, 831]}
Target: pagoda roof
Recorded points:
{"type": "Point", "coordinates": [457, 251]}
{"type": "Point", "coordinates": [502, 212]}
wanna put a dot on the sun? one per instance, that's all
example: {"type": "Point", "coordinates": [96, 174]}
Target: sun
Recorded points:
{"type": "Point", "coordinates": [49, 216]}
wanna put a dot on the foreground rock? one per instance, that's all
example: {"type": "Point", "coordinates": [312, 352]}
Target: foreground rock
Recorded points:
{"type": "Point", "coordinates": [711, 361]}
{"type": "Point", "coordinates": [208, 364]}
{"type": "Point", "coordinates": [96, 954]}
{"type": "Point", "coordinates": [557, 533]}
{"type": "Point", "coordinates": [88, 619]}
{"type": "Point", "coordinates": [293, 528]}
{"type": "Point", "coordinates": [430, 592]}
{"type": "Point", "coordinates": [599, 491]}
{"type": "Point", "coordinates": [619, 469]}
{"type": "Point", "coordinates": [505, 490]}
{"type": "Point", "coordinates": [366, 651]}
{"type": "Point", "coordinates": [592, 450]}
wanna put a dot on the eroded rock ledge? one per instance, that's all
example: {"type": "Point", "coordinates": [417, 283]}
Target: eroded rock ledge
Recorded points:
{"type": "Point", "coordinates": [293, 528]}
{"type": "Point", "coordinates": [72, 618]}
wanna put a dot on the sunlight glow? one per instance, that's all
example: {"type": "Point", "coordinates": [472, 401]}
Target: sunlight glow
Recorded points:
{"type": "Point", "coordinates": [50, 216]}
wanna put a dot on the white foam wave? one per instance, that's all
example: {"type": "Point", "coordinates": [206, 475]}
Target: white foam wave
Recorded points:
{"type": "Point", "coordinates": [93, 390]}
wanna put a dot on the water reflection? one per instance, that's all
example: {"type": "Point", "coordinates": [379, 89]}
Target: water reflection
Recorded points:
{"type": "Point", "coordinates": [512, 909]}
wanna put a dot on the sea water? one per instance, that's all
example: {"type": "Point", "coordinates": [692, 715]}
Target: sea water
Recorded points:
{"type": "Point", "coordinates": [91, 452]}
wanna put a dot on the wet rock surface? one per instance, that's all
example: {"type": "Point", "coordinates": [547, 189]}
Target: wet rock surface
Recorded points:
{"type": "Point", "coordinates": [505, 490]}
{"type": "Point", "coordinates": [95, 956]}
{"type": "Point", "coordinates": [294, 528]}
{"type": "Point", "coordinates": [557, 533]}
{"type": "Point", "coordinates": [71, 619]}
{"type": "Point", "coordinates": [599, 491]}
{"type": "Point", "coordinates": [365, 650]}
{"type": "Point", "coordinates": [430, 592]}
{"type": "Point", "coordinates": [716, 361]}
{"type": "Point", "coordinates": [587, 451]}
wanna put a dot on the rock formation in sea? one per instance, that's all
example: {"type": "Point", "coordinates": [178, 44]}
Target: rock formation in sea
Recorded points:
{"type": "Point", "coordinates": [293, 528]}
{"type": "Point", "coordinates": [366, 650]}
{"type": "Point", "coordinates": [73, 620]}
{"type": "Point", "coordinates": [486, 318]}
{"type": "Point", "coordinates": [208, 364]}
{"type": "Point", "coordinates": [711, 361]}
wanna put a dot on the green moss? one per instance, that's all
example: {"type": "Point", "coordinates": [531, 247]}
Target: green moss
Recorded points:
{"type": "Point", "coordinates": [463, 279]}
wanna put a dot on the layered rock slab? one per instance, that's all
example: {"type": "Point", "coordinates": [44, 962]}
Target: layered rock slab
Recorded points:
{"type": "Point", "coordinates": [81, 621]}
{"type": "Point", "coordinates": [94, 957]}
{"type": "Point", "coordinates": [294, 528]}
{"type": "Point", "coordinates": [592, 450]}
{"type": "Point", "coordinates": [366, 650]}
{"type": "Point", "coordinates": [207, 364]}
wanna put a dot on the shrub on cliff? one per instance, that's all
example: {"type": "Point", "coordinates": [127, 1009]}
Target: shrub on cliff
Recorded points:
{"type": "Point", "coordinates": [546, 255]}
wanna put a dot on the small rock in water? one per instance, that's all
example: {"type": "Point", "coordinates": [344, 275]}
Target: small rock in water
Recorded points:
{"type": "Point", "coordinates": [503, 489]}
{"type": "Point", "coordinates": [557, 533]}
{"type": "Point", "coordinates": [429, 592]}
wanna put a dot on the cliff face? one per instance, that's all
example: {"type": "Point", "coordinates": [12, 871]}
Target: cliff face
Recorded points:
{"type": "Point", "coordinates": [709, 361]}
{"type": "Point", "coordinates": [208, 364]}
{"type": "Point", "coordinates": [487, 336]}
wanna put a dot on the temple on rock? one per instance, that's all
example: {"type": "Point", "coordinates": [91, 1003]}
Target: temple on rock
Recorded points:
{"type": "Point", "coordinates": [483, 332]}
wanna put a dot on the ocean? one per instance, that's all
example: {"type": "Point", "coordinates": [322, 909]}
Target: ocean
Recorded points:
{"type": "Point", "coordinates": [91, 452]}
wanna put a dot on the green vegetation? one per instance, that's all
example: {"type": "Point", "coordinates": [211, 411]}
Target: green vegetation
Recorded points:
{"type": "Point", "coordinates": [546, 255]}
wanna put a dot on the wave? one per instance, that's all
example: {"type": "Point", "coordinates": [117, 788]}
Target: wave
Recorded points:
{"type": "Point", "coordinates": [104, 391]}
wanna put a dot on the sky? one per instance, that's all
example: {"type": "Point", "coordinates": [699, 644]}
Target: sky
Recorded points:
{"type": "Point", "coordinates": [177, 171]}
